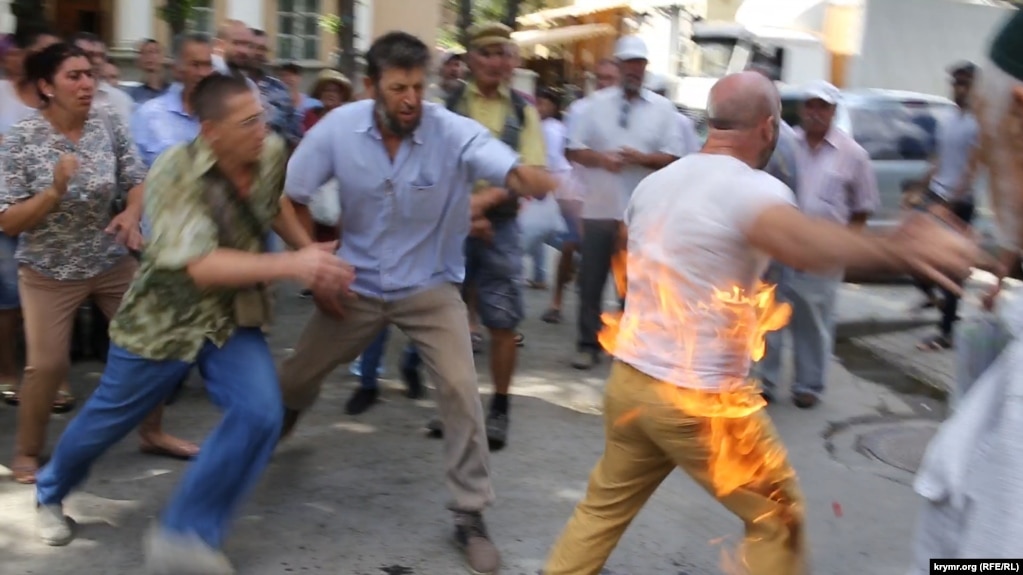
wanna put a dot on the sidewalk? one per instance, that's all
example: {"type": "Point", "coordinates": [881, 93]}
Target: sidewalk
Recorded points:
{"type": "Point", "coordinates": [365, 495]}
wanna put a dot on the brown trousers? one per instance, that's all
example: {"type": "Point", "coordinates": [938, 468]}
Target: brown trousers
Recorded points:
{"type": "Point", "coordinates": [49, 307]}
{"type": "Point", "coordinates": [648, 434]}
{"type": "Point", "coordinates": [436, 322]}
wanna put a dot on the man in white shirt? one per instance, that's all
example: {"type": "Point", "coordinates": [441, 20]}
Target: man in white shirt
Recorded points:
{"type": "Point", "coordinates": [106, 94]}
{"type": "Point", "coordinates": [678, 394]}
{"type": "Point", "coordinates": [622, 135]}
{"type": "Point", "coordinates": [690, 139]}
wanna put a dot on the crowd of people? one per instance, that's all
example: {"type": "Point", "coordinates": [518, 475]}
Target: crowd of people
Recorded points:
{"type": "Point", "coordinates": [178, 206]}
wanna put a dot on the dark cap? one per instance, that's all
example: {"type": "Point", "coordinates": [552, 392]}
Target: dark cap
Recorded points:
{"type": "Point", "coordinates": [964, 68]}
{"type": "Point", "coordinates": [489, 34]}
{"type": "Point", "coordinates": [1007, 47]}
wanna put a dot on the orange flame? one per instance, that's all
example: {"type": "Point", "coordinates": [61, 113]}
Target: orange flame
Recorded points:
{"type": "Point", "coordinates": [735, 324]}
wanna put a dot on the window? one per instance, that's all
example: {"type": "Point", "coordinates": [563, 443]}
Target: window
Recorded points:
{"type": "Point", "coordinates": [896, 130]}
{"type": "Point", "coordinates": [298, 30]}
{"type": "Point", "coordinates": [201, 17]}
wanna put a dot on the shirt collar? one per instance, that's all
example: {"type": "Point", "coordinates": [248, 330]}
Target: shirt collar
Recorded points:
{"type": "Point", "coordinates": [174, 100]}
{"type": "Point", "coordinates": [831, 138]}
{"type": "Point", "coordinates": [504, 91]}
{"type": "Point", "coordinates": [368, 125]}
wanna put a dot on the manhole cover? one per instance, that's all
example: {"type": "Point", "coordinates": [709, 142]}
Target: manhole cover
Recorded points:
{"type": "Point", "coordinates": [901, 446]}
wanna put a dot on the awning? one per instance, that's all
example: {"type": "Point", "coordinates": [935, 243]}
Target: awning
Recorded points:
{"type": "Point", "coordinates": [564, 35]}
{"type": "Point", "coordinates": [580, 9]}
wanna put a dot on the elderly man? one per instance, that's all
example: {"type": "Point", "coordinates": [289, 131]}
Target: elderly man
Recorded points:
{"type": "Point", "coordinates": [621, 136]}
{"type": "Point", "coordinates": [681, 356]}
{"type": "Point", "coordinates": [835, 181]}
{"type": "Point", "coordinates": [405, 173]}
{"type": "Point", "coordinates": [972, 474]}
{"type": "Point", "coordinates": [452, 69]}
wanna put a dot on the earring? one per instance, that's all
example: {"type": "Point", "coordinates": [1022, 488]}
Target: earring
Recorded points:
{"type": "Point", "coordinates": [49, 96]}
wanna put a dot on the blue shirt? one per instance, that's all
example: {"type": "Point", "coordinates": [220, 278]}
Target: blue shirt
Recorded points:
{"type": "Point", "coordinates": [161, 123]}
{"type": "Point", "coordinates": [405, 221]}
{"type": "Point", "coordinates": [144, 93]}
{"type": "Point", "coordinates": [281, 114]}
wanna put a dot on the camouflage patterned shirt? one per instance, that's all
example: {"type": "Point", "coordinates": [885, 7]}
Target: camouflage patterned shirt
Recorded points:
{"type": "Point", "coordinates": [164, 314]}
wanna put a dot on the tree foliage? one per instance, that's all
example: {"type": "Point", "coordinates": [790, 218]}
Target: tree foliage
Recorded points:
{"type": "Point", "coordinates": [468, 12]}
{"type": "Point", "coordinates": [176, 14]}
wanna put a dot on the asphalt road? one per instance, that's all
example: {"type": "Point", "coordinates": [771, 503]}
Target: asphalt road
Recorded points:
{"type": "Point", "coordinates": [364, 495]}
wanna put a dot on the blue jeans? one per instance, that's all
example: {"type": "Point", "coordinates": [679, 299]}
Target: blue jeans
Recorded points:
{"type": "Point", "coordinates": [241, 380]}
{"type": "Point", "coordinates": [8, 273]}
{"type": "Point", "coordinates": [369, 361]}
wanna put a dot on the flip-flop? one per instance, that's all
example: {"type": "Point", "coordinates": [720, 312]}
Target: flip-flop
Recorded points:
{"type": "Point", "coordinates": [477, 342]}
{"type": "Point", "coordinates": [64, 403]}
{"type": "Point", "coordinates": [159, 451]}
{"type": "Point", "coordinates": [551, 316]}
{"type": "Point", "coordinates": [9, 393]}
{"type": "Point", "coordinates": [24, 474]}
{"type": "Point", "coordinates": [936, 343]}
{"type": "Point", "coordinates": [520, 339]}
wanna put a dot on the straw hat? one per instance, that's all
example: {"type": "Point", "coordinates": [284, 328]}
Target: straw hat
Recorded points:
{"type": "Point", "coordinates": [328, 76]}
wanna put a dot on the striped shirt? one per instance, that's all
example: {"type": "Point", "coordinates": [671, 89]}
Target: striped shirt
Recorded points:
{"type": "Point", "coordinates": [835, 181]}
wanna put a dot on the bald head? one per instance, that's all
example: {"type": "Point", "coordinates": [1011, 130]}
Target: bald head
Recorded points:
{"type": "Point", "coordinates": [741, 102]}
{"type": "Point", "coordinates": [743, 113]}
{"type": "Point", "coordinates": [237, 43]}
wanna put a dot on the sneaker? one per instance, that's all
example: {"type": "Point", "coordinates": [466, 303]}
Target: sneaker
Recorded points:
{"type": "Point", "coordinates": [55, 528]}
{"type": "Point", "coordinates": [585, 360]}
{"type": "Point", "coordinates": [170, 553]}
{"type": "Point", "coordinates": [497, 430]}
{"type": "Point", "coordinates": [361, 400]}
{"type": "Point", "coordinates": [481, 556]}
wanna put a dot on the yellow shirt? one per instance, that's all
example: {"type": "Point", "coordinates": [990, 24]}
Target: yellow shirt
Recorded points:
{"type": "Point", "coordinates": [492, 112]}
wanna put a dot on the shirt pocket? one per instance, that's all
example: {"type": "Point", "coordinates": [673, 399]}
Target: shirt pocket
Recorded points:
{"type": "Point", "coordinates": [422, 202]}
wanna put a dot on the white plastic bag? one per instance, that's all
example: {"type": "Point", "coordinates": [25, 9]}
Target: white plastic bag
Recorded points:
{"type": "Point", "coordinates": [540, 219]}
{"type": "Point", "coordinates": [326, 206]}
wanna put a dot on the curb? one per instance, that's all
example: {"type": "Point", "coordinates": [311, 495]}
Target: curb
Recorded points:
{"type": "Point", "coordinates": [940, 388]}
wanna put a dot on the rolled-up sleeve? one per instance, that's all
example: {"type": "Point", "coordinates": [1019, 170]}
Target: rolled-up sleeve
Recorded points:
{"type": "Point", "coordinates": [864, 197]}
{"type": "Point", "coordinates": [13, 159]}
{"type": "Point", "coordinates": [483, 156]}
{"type": "Point", "coordinates": [182, 229]}
{"type": "Point", "coordinates": [312, 164]}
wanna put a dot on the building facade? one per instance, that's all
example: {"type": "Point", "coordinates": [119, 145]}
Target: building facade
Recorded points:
{"type": "Point", "coordinates": [296, 27]}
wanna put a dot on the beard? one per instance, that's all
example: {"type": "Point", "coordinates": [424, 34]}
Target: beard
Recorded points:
{"type": "Point", "coordinates": [391, 122]}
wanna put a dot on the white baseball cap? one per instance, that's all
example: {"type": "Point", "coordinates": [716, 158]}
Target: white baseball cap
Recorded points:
{"type": "Point", "coordinates": [822, 90]}
{"type": "Point", "coordinates": [630, 48]}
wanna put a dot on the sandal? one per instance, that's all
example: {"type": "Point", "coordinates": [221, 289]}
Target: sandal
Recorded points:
{"type": "Point", "coordinates": [551, 316]}
{"type": "Point", "coordinates": [9, 393]}
{"type": "Point", "coordinates": [477, 342]}
{"type": "Point", "coordinates": [520, 339]}
{"type": "Point", "coordinates": [64, 403]}
{"type": "Point", "coordinates": [936, 343]}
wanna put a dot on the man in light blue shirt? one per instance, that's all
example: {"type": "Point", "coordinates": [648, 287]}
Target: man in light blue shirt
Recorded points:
{"type": "Point", "coordinates": [168, 120]}
{"type": "Point", "coordinates": [405, 172]}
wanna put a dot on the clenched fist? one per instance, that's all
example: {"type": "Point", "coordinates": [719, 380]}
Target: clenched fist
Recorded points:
{"type": "Point", "coordinates": [65, 169]}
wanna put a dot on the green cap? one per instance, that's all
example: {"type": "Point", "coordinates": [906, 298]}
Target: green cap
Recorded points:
{"type": "Point", "coordinates": [1007, 48]}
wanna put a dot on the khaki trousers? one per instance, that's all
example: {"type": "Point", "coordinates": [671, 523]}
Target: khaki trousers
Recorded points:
{"type": "Point", "coordinates": [49, 307]}
{"type": "Point", "coordinates": [647, 436]}
{"type": "Point", "coordinates": [436, 321]}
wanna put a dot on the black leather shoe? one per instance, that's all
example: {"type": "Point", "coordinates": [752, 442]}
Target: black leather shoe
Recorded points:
{"type": "Point", "coordinates": [361, 400]}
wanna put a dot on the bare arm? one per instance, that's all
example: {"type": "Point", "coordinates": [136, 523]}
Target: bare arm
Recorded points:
{"type": "Point", "coordinates": [294, 224]}
{"type": "Point", "coordinates": [806, 243]}
{"type": "Point", "coordinates": [225, 267]}
{"type": "Point", "coordinates": [532, 181]}
{"type": "Point", "coordinates": [24, 216]}
{"type": "Point", "coordinates": [588, 158]}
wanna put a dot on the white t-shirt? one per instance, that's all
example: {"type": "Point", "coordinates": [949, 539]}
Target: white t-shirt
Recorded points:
{"type": "Point", "coordinates": [607, 122]}
{"type": "Point", "coordinates": [12, 109]}
{"type": "Point", "coordinates": [687, 240]}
